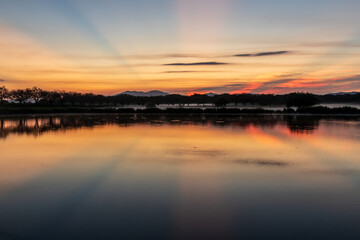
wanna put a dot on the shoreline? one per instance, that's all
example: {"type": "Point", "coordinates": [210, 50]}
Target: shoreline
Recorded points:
{"type": "Point", "coordinates": [31, 115]}
{"type": "Point", "coordinates": [315, 110]}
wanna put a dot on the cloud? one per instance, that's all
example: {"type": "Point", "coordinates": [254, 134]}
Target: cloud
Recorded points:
{"type": "Point", "coordinates": [350, 79]}
{"type": "Point", "coordinates": [196, 64]}
{"type": "Point", "coordinates": [284, 85]}
{"type": "Point", "coordinates": [182, 72]}
{"type": "Point", "coordinates": [271, 84]}
{"type": "Point", "coordinates": [170, 55]}
{"type": "Point", "coordinates": [348, 44]}
{"type": "Point", "coordinates": [268, 163]}
{"type": "Point", "coordinates": [316, 86]}
{"type": "Point", "coordinates": [349, 83]}
{"type": "Point", "coordinates": [262, 54]}
{"type": "Point", "coordinates": [288, 75]}
{"type": "Point", "coordinates": [337, 172]}
{"type": "Point", "coordinates": [191, 71]}
{"type": "Point", "coordinates": [139, 56]}
{"type": "Point", "coordinates": [206, 153]}
{"type": "Point", "coordinates": [173, 55]}
{"type": "Point", "coordinates": [221, 89]}
{"type": "Point", "coordinates": [143, 56]}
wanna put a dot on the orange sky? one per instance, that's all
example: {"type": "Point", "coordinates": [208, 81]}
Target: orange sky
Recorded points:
{"type": "Point", "coordinates": [180, 46]}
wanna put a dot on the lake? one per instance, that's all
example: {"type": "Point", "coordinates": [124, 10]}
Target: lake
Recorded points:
{"type": "Point", "coordinates": [179, 177]}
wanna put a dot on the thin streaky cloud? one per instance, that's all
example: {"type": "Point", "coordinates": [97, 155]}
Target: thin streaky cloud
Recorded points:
{"type": "Point", "coordinates": [140, 57]}
{"type": "Point", "coordinates": [271, 53]}
{"type": "Point", "coordinates": [271, 84]}
{"type": "Point", "coordinates": [196, 64]}
{"type": "Point", "coordinates": [289, 75]}
{"type": "Point", "coordinates": [164, 56]}
{"type": "Point", "coordinates": [170, 72]}
{"type": "Point", "coordinates": [222, 88]}
{"type": "Point", "coordinates": [349, 44]}
{"type": "Point", "coordinates": [261, 54]}
{"type": "Point", "coordinates": [262, 163]}
{"type": "Point", "coordinates": [96, 57]}
{"type": "Point", "coordinates": [349, 83]}
{"type": "Point", "coordinates": [176, 55]}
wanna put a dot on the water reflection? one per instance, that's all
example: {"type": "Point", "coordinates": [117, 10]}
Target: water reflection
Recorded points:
{"type": "Point", "coordinates": [38, 125]}
{"type": "Point", "coordinates": [263, 163]}
{"type": "Point", "coordinates": [179, 177]}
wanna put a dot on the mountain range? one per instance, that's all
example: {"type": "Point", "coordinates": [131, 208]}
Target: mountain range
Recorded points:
{"type": "Point", "coordinates": [154, 93]}
{"type": "Point", "coordinates": [344, 93]}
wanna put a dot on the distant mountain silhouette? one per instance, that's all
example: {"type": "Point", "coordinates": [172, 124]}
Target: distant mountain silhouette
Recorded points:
{"type": "Point", "coordinates": [344, 93]}
{"type": "Point", "coordinates": [210, 94]}
{"type": "Point", "coordinates": [154, 93]}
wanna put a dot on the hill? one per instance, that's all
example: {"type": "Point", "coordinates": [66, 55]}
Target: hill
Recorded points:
{"type": "Point", "coordinates": [154, 93]}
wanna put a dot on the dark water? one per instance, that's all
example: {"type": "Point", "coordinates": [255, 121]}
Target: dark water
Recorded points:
{"type": "Point", "coordinates": [171, 177]}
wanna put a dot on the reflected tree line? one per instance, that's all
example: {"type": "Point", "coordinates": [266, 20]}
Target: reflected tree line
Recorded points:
{"type": "Point", "coordinates": [36, 126]}
{"type": "Point", "coordinates": [38, 96]}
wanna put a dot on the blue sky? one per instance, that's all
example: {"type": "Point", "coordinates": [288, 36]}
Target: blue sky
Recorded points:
{"type": "Point", "coordinates": [131, 44]}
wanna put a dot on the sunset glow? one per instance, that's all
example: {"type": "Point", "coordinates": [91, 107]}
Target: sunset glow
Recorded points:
{"type": "Point", "coordinates": [181, 46]}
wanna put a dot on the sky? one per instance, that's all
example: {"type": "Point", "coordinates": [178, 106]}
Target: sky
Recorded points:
{"type": "Point", "coordinates": [181, 46]}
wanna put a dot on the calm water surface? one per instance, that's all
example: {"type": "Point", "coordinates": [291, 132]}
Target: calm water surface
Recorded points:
{"type": "Point", "coordinates": [171, 177]}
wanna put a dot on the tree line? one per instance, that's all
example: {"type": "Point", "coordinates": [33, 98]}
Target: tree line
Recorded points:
{"type": "Point", "coordinates": [38, 96]}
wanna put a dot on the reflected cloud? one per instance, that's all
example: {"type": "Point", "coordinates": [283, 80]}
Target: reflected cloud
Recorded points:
{"type": "Point", "coordinates": [337, 172]}
{"type": "Point", "coordinates": [200, 152]}
{"type": "Point", "coordinates": [264, 163]}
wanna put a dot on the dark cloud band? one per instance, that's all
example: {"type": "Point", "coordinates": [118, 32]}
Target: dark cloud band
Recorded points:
{"type": "Point", "coordinates": [196, 64]}
{"type": "Point", "coordinates": [191, 72]}
{"type": "Point", "coordinates": [262, 54]}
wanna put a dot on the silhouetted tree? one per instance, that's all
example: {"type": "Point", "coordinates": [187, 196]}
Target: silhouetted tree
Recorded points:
{"type": "Point", "coordinates": [221, 102]}
{"type": "Point", "coordinates": [89, 98]}
{"type": "Point", "coordinates": [52, 97]}
{"type": "Point", "coordinates": [20, 96]}
{"type": "Point", "coordinates": [150, 105]}
{"type": "Point", "coordinates": [4, 94]}
{"type": "Point", "coordinates": [72, 97]}
{"type": "Point", "coordinates": [340, 98]}
{"type": "Point", "coordinates": [36, 94]}
{"type": "Point", "coordinates": [300, 99]}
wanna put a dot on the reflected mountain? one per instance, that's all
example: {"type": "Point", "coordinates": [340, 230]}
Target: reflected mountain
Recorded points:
{"type": "Point", "coordinates": [38, 125]}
